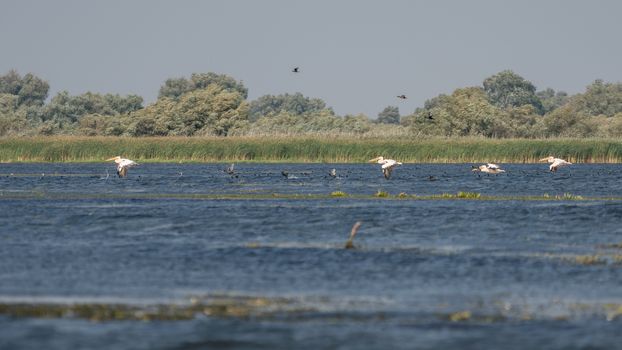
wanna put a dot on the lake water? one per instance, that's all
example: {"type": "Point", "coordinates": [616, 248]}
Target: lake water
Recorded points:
{"type": "Point", "coordinates": [427, 274]}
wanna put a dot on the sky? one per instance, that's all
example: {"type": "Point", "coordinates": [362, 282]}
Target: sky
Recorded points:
{"type": "Point", "coordinates": [355, 55]}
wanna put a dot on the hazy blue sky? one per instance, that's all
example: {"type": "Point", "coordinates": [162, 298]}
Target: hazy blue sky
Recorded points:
{"type": "Point", "coordinates": [355, 55]}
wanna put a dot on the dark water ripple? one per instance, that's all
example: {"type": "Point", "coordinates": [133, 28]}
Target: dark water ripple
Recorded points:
{"type": "Point", "coordinates": [530, 274]}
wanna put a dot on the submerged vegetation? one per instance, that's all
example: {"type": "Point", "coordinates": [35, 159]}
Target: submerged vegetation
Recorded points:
{"type": "Point", "coordinates": [304, 149]}
{"type": "Point", "coordinates": [379, 195]}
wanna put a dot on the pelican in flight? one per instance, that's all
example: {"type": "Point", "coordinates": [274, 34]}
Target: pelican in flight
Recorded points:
{"type": "Point", "coordinates": [387, 165]}
{"type": "Point", "coordinates": [489, 168]}
{"type": "Point", "coordinates": [122, 165]}
{"type": "Point", "coordinates": [555, 163]}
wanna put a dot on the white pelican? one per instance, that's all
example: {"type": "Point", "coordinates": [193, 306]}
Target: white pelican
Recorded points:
{"type": "Point", "coordinates": [489, 168]}
{"type": "Point", "coordinates": [555, 163]}
{"type": "Point", "coordinates": [122, 165]}
{"type": "Point", "coordinates": [387, 165]}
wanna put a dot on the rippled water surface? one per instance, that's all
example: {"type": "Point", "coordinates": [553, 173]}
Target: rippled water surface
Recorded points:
{"type": "Point", "coordinates": [426, 273]}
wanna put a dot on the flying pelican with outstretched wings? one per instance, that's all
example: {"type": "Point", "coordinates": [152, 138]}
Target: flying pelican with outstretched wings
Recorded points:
{"type": "Point", "coordinates": [489, 168]}
{"type": "Point", "coordinates": [387, 165]}
{"type": "Point", "coordinates": [555, 163]}
{"type": "Point", "coordinates": [122, 165]}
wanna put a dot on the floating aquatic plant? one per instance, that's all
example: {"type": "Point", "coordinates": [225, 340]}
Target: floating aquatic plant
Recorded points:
{"type": "Point", "coordinates": [460, 316]}
{"type": "Point", "coordinates": [338, 194]}
{"type": "Point", "coordinates": [468, 195]}
{"type": "Point", "coordinates": [569, 196]}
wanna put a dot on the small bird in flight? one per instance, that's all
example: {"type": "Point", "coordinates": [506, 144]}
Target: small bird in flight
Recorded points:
{"type": "Point", "coordinates": [296, 70]}
{"type": "Point", "coordinates": [402, 96]}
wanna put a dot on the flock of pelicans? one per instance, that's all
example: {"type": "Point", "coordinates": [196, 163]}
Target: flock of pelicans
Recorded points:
{"type": "Point", "coordinates": [386, 165]}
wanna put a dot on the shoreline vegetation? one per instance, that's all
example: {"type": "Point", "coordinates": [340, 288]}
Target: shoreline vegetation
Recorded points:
{"type": "Point", "coordinates": [306, 149]}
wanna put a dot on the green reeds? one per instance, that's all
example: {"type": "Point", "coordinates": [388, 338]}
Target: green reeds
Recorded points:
{"type": "Point", "coordinates": [306, 149]}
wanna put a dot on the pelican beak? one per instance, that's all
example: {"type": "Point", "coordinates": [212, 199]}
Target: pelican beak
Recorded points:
{"type": "Point", "coordinates": [544, 159]}
{"type": "Point", "coordinates": [373, 160]}
{"type": "Point", "coordinates": [113, 158]}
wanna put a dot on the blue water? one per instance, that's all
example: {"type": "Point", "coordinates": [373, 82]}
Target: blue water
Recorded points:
{"type": "Point", "coordinates": [74, 233]}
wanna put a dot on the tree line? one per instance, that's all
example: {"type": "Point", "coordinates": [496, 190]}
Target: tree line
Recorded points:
{"type": "Point", "coordinates": [505, 106]}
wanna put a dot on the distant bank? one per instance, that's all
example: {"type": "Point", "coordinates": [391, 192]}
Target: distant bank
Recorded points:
{"type": "Point", "coordinates": [306, 149]}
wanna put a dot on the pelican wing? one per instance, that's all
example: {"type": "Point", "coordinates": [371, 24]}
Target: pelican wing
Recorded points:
{"type": "Point", "coordinates": [390, 163]}
{"type": "Point", "coordinates": [126, 163]}
{"type": "Point", "coordinates": [492, 166]}
{"type": "Point", "coordinates": [559, 162]}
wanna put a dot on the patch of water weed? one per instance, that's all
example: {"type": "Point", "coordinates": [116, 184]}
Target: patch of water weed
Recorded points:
{"type": "Point", "coordinates": [460, 195]}
{"type": "Point", "coordinates": [338, 194]}
{"type": "Point", "coordinates": [460, 316]}
{"type": "Point", "coordinates": [611, 246]}
{"type": "Point", "coordinates": [381, 194]}
{"type": "Point", "coordinates": [468, 195]}
{"type": "Point", "coordinates": [241, 307]}
{"type": "Point", "coordinates": [570, 196]}
{"type": "Point", "coordinates": [588, 259]}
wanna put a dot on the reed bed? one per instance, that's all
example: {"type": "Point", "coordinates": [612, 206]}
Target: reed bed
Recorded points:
{"type": "Point", "coordinates": [306, 149]}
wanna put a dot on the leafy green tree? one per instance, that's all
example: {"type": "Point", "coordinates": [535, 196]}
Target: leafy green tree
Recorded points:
{"type": "Point", "coordinates": [175, 87]}
{"type": "Point", "coordinates": [8, 103]}
{"type": "Point", "coordinates": [355, 124]}
{"type": "Point", "coordinates": [209, 111]}
{"type": "Point", "coordinates": [297, 104]}
{"type": "Point", "coordinates": [600, 98]}
{"type": "Point", "coordinates": [203, 80]}
{"type": "Point", "coordinates": [585, 114]}
{"type": "Point", "coordinates": [34, 91]}
{"type": "Point", "coordinates": [31, 89]}
{"type": "Point", "coordinates": [10, 121]}
{"type": "Point", "coordinates": [507, 89]}
{"type": "Point", "coordinates": [69, 109]}
{"type": "Point", "coordinates": [122, 104]}
{"type": "Point", "coordinates": [466, 112]}
{"type": "Point", "coordinates": [552, 100]}
{"type": "Point", "coordinates": [389, 115]}
{"type": "Point", "coordinates": [10, 83]}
